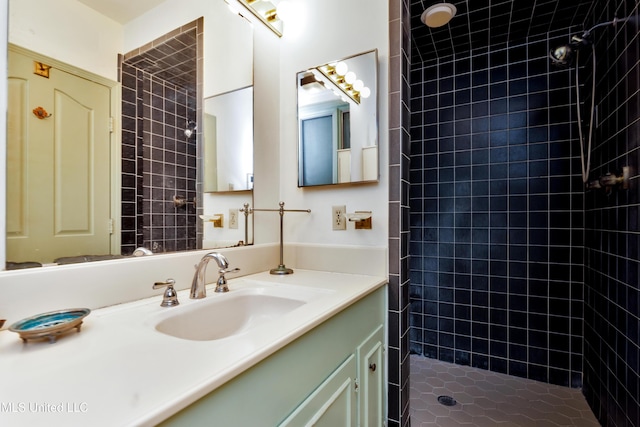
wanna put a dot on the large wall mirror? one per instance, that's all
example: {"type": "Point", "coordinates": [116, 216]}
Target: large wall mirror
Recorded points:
{"type": "Point", "coordinates": [338, 122]}
{"type": "Point", "coordinates": [140, 182]}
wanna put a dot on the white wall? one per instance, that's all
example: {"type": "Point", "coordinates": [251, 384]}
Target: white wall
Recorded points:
{"type": "Point", "coordinates": [326, 30]}
{"type": "Point", "coordinates": [68, 31]}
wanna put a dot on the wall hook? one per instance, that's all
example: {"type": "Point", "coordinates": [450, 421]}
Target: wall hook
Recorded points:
{"type": "Point", "coordinates": [41, 113]}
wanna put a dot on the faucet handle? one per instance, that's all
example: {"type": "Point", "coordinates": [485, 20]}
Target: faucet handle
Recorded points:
{"type": "Point", "coordinates": [221, 284]}
{"type": "Point", "coordinates": [170, 297]}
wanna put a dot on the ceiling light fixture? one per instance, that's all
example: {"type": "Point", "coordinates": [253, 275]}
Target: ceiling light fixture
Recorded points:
{"type": "Point", "coordinates": [438, 15]}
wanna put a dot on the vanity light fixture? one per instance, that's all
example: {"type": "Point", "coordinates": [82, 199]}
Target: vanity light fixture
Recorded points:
{"type": "Point", "coordinates": [267, 12]}
{"type": "Point", "coordinates": [338, 73]}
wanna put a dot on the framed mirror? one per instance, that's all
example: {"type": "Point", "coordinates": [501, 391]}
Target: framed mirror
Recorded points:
{"type": "Point", "coordinates": [153, 196]}
{"type": "Point", "coordinates": [228, 142]}
{"type": "Point", "coordinates": [338, 122]}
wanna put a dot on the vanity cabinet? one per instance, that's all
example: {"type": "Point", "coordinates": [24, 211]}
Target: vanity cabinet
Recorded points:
{"type": "Point", "coordinates": [333, 375]}
{"type": "Point", "coordinates": [333, 403]}
{"type": "Point", "coordinates": [353, 393]}
{"type": "Point", "coordinates": [371, 377]}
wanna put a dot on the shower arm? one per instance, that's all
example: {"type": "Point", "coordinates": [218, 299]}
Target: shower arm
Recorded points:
{"type": "Point", "coordinates": [613, 22]}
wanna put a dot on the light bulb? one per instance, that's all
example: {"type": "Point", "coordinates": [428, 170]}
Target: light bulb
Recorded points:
{"type": "Point", "coordinates": [341, 68]}
{"type": "Point", "coordinates": [365, 92]}
{"type": "Point", "coordinates": [350, 77]}
{"type": "Point", "coordinates": [358, 85]}
{"type": "Point", "coordinates": [285, 10]}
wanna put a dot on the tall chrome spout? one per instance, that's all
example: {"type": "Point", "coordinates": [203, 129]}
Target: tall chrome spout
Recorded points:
{"type": "Point", "coordinates": [198, 286]}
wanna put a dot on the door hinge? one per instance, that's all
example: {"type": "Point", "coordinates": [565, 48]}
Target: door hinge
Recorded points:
{"type": "Point", "coordinates": [111, 225]}
{"type": "Point", "coordinates": [111, 124]}
{"type": "Point", "coordinates": [356, 385]}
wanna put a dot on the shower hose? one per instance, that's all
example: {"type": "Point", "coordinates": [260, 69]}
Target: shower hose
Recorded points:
{"type": "Point", "coordinates": [586, 166]}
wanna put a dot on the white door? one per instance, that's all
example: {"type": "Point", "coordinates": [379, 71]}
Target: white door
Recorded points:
{"type": "Point", "coordinates": [58, 164]}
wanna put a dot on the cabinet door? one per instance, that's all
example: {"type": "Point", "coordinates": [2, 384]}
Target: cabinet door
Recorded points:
{"type": "Point", "coordinates": [371, 380]}
{"type": "Point", "coordinates": [332, 404]}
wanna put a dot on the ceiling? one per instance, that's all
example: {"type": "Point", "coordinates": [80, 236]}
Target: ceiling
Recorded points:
{"type": "Point", "coordinates": [482, 23]}
{"type": "Point", "coordinates": [122, 11]}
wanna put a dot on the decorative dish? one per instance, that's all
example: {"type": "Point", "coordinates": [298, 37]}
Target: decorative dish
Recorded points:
{"type": "Point", "coordinates": [50, 325]}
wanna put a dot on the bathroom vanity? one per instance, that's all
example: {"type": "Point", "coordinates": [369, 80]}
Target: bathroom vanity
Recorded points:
{"type": "Point", "coordinates": [292, 349]}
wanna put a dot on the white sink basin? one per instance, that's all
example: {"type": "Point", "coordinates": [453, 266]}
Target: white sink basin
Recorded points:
{"type": "Point", "coordinates": [223, 315]}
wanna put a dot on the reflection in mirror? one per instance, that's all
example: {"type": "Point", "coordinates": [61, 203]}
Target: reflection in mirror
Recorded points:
{"type": "Point", "coordinates": [159, 143]}
{"type": "Point", "coordinates": [151, 185]}
{"type": "Point", "coordinates": [337, 122]}
{"type": "Point", "coordinates": [228, 141]}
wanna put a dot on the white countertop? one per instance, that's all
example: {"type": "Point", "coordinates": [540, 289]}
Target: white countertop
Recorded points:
{"type": "Point", "coordinates": [120, 371]}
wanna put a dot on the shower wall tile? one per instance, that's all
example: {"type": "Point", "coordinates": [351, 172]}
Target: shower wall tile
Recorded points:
{"type": "Point", "coordinates": [158, 161]}
{"type": "Point", "coordinates": [493, 181]}
{"type": "Point", "coordinates": [611, 292]}
{"type": "Point", "coordinates": [399, 149]}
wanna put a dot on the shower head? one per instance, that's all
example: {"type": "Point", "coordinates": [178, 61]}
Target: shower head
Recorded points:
{"type": "Point", "coordinates": [564, 55]}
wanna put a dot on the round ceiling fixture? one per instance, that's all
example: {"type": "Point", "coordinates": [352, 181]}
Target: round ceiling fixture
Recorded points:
{"type": "Point", "coordinates": [438, 15]}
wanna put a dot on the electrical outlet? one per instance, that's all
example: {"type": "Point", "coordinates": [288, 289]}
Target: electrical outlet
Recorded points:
{"type": "Point", "coordinates": [339, 217]}
{"type": "Point", "coordinates": [233, 218]}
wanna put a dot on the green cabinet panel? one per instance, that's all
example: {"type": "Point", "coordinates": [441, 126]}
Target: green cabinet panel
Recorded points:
{"type": "Point", "coordinates": [371, 376]}
{"type": "Point", "coordinates": [332, 404]}
{"type": "Point", "coordinates": [272, 390]}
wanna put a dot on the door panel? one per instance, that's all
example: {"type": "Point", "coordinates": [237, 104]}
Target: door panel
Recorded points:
{"type": "Point", "coordinates": [16, 158]}
{"type": "Point", "coordinates": [61, 178]}
{"type": "Point", "coordinates": [318, 149]}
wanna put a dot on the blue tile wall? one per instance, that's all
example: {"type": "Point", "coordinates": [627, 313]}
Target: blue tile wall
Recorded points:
{"type": "Point", "coordinates": [612, 294]}
{"type": "Point", "coordinates": [496, 213]}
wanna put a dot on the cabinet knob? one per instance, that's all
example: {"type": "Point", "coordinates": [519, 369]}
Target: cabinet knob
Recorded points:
{"type": "Point", "coordinates": [372, 367]}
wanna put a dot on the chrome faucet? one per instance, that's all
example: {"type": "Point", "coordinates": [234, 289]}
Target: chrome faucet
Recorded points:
{"type": "Point", "coordinates": [198, 286]}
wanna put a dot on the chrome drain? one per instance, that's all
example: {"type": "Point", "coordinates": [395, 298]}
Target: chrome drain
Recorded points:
{"type": "Point", "coordinates": [447, 400]}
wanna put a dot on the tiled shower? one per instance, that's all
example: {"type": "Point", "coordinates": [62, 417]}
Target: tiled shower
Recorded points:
{"type": "Point", "coordinates": [505, 261]}
{"type": "Point", "coordinates": [159, 167]}
{"type": "Point", "coordinates": [496, 277]}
